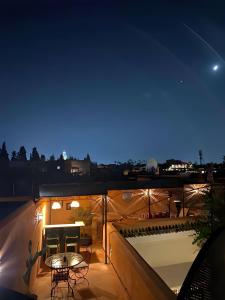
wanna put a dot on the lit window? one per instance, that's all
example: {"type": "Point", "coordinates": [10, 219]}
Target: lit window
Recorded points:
{"type": "Point", "coordinates": [64, 155]}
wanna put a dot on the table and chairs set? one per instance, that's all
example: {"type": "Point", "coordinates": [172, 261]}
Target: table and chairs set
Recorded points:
{"type": "Point", "coordinates": [61, 265]}
{"type": "Point", "coordinates": [68, 266]}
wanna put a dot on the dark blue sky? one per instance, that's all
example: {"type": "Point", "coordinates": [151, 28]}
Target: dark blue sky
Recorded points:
{"type": "Point", "coordinates": [120, 80]}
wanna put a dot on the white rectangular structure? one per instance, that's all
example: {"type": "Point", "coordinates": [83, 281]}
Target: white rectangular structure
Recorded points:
{"type": "Point", "coordinates": [169, 254]}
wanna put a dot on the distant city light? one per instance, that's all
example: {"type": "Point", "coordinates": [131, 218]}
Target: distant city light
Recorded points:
{"type": "Point", "coordinates": [64, 155]}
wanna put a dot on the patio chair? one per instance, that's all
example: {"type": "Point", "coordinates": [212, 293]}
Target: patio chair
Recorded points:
{"type": "Point", "coordinates": [52, 245]}
{"type": "Point", "coordinates": [72, 244]}
{"type": "Point", "coordinates": [59, 276]}
{"type": "Point", "coordinates": [79, 272]}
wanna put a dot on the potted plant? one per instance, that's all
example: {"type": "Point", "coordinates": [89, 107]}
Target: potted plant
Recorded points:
{"type": "Point", "coordinates": [30, 261]}
{"type": "Point", "coordinates": [85, 215]}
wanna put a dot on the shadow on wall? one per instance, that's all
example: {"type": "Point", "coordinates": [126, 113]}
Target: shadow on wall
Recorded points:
{"type": "Point", "coordinates": [6, 294]}
{"type": "Point", "coordinates": [15, 233]}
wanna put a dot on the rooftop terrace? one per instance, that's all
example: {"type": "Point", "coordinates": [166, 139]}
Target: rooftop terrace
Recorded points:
{"type": "Point", "coordinates": [103, 282]}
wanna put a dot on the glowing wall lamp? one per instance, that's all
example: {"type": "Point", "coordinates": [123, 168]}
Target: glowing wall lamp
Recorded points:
{"type": "Point", "coordinates": [39, 216]}
{"type": "Point", "coordinates": [56, 205]}
{"type": "Point", "coordinates": [74, 204]}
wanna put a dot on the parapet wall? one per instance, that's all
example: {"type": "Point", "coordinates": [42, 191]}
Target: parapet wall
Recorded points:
{"type": "Point", "coordinates": [138, 278]}
{"type": "Point", "coordinates": [15, 232]}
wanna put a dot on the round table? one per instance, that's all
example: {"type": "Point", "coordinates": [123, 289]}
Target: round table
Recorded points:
{"type": "Point", "coordinates": [64, 260]}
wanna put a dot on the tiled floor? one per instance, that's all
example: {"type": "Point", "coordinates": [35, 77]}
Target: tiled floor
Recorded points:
{"type": "Point", "coordinates": [103, 283]}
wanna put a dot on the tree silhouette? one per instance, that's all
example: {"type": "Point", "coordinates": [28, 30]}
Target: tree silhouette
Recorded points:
{"type": "Point", "coordinates": [34, 155]}
{"type": "Point", "coordinates": [88, 157]}
{"type": "Point", "coordinates": [43, 157]}
{"type": "Point", "coordinates": [52, 157]}
{"type": "Point", "coordinates": [4, 156]}
{"type": "Point", "coordinates": [224, 159]}
{"type": "Point", "coordinates": [22, 154]}
{"type": "Point", "coordinates": [61, 157]}
{"type": "Point", "coordinates": [13, 155]}
{"type": "Point", "coordinates": [200, 156]}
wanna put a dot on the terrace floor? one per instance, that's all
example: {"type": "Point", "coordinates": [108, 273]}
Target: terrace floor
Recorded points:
{"type": "Point", "coordinates": [104, 283]}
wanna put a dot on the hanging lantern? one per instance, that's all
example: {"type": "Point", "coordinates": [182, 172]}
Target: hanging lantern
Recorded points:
{"type": "Point", "coordinates": [74, 204]}
{"type": "Point", "coordinates": [56, 205]}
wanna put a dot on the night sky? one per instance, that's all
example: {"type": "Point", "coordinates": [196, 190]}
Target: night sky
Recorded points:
{"type": "Point", "coordinates": [118, 80]}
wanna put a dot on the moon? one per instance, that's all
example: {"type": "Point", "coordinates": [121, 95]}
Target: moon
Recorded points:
{"type": "Point", "coordinates": [215, 68]}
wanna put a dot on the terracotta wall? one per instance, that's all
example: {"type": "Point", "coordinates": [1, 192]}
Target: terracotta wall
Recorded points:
{"type": "Point", "coordinates": [122, 203]}
{"type": "Point", "coordinates": [15, 232]}
{"type": "Point", "coordinates": [66, 216]}
{"type": "Point", "coordinates": [138, 278]}
{"type": "Point", "coordinates": [194, 194]}
{"type": "Point", "coordinates": [135, 202]}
